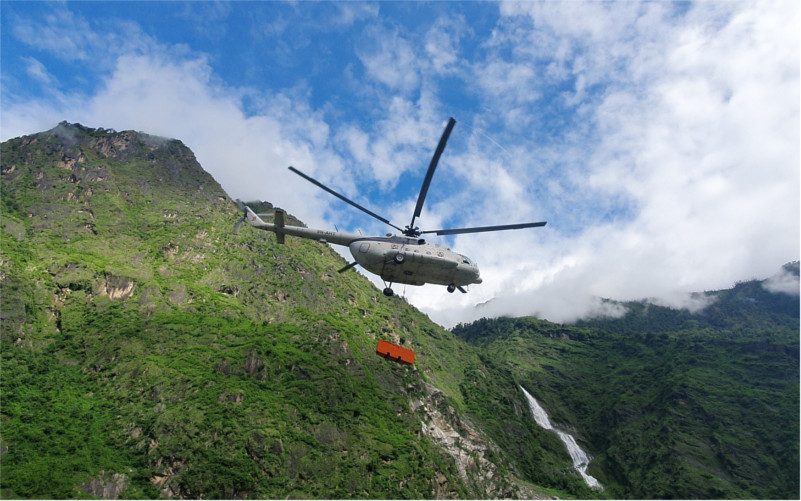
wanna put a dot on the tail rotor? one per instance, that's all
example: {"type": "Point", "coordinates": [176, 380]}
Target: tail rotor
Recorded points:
{"type": "Point", "coordinates": [244, 215]}
{"type": "Point", "coordinates": [246, 212]}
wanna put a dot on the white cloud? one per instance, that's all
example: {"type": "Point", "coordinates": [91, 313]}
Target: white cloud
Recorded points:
{"type": "Point", "coordinates": [390, 60]}
{"type": "Point", "coordinates": [62, 33]}
{"type": "Point", "coordinates": [208, 18]}
{"type": "Point", "coordinates": [399, 143]}
{"type": "Point", "coordinates": [785, 282]}
{"type": "Point", "coordinates": [181, 98]}
{"type": "Point", "coordinates": [349, 12]}
{"type": "Point", "coordinates": [702, 145]}
{"type": "Point", "coordinates": [39, 72]}
{"type": "Point", "coordinates": [507, 81]}
{"type": "Point", "coordinates": [442, 43]}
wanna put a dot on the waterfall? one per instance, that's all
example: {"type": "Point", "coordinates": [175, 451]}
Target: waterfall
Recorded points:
{"type": "Point", "coordinates": [581, 459]}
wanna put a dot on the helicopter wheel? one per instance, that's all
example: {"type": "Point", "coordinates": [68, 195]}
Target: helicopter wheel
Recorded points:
{"type": "Point", "coordinates": [399, 258]}
{"type": "Point", "coordinates": [388, 292]}
{"type": "Point", "coordinates": [451, 288]}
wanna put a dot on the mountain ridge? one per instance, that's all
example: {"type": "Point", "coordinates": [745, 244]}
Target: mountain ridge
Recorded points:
{"type": "Point", "coordinates": [669, 401]}
{"type": "Point", "coordinates": [205, 363]}
{"type": "Point", "coordinates": [150, 352]}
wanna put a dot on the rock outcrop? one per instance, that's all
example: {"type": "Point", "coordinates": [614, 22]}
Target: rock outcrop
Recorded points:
{"type": "Point", "coordinates": [107, 486]}
{"type": "Point", "coordinates": [468, 448]}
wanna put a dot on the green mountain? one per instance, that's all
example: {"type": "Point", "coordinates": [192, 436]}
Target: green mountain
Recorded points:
{"type": "Point", "coordinates": [671, 404]}
{"type": "Point", "coordinates": [148, 351]}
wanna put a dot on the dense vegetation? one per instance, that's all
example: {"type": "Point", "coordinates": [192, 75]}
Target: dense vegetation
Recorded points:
{"type": "Point", "coordinates": [147, 351]}
{"type": "Point", "coordinates": [672, 404]}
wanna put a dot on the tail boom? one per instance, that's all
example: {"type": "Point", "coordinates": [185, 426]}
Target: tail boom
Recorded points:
{"type": "Point", "coordinates": [281, 230]}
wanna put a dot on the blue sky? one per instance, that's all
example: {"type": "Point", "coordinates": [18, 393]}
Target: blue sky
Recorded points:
{"type": "Point", "coordinates": [660, 140]}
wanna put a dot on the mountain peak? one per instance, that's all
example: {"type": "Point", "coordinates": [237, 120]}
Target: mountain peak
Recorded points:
{"type": "Point", "coordinates": [109, 142]}
{"type": "Point", "coordinates": [203, 363]}
{"type": "Point", "coordinates": [72, 162]}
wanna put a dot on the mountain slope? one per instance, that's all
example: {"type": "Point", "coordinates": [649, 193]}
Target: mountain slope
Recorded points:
{"type": "Point", "coordinates": [137, 324]}
{"type": "Point", "coordinates": [671, 404]}
{"type": "Point", "coordinates": [147, 351]}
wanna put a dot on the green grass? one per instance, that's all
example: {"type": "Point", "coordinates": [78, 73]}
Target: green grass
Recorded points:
{"type": "Point", "coordinates": [233, 369]}
{"type": "Point", "coordinates": [237, 367]}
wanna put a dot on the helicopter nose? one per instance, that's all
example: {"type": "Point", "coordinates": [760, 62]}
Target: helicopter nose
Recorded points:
{"type": "Point", "coordinates": [477, 278]}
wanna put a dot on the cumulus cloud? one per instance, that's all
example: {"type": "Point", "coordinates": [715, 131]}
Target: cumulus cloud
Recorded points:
{"type": "Point", "coordinates": [442, 43]}
{"type": "Point", "coordinates": [68, 36]}
{"type": "Point", "coordinates": [390, 60]}
{"type": "Point", "coordinates": [39, 72]}
{"type": "Point", "coordinates": [702, 152]}
{"type": "Point", "coordinates": [181, 98]}
{"type": "Point", "coordinates": [785, 282]}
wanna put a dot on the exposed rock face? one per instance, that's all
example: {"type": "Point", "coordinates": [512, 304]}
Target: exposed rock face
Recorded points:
{"type": "Point", "coordinates": [131, 226]}
{"type": "Point", "coordinates": [164, 479]}
{"type": "Point", "coordinates": [469, 450]}
{"type": "Point", "coordinates": [107, 486]}
{"type": "Point", "coordinates": [119, 288]}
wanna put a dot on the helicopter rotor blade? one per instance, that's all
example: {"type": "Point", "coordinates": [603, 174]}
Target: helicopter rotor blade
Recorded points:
{"type": "Point", "coordinates": [431, 167]}
{"type": "Point", "coordinates": [480, 229]}
{"type": "Point", "coordinates": [342, 197]}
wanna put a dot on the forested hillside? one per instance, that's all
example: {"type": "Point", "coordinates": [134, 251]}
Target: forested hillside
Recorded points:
{"type": "Point", "coordinates": [150, 352]}
{"type": "Point", "coordinates": [671, 404]}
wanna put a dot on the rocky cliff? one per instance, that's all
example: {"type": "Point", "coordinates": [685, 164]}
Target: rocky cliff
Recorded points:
{"type": "Point", "coordinates": [150, 352]}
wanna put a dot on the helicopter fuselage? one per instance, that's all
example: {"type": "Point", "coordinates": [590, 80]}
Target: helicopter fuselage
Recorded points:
{"type": "Point", "coordinates": [395, 258]}
{"type": "Point", "coordinates": [413, 261]}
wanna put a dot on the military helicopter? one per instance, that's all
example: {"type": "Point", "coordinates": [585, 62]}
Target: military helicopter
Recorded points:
{"type": "Point", "coordinates": [405, 258]}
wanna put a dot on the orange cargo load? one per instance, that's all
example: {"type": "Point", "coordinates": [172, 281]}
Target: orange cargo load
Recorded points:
{"type": "Point", "coordinates": [394, 352]}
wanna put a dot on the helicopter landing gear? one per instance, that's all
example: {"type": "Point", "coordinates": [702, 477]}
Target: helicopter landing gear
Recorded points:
{"type": "Point", "coordinates": [451, 288]}
{"type": "Point", "coordinates": [388, 292]}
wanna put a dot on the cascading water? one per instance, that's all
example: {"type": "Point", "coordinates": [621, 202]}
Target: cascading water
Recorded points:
{"type": "Point", "coordinates": [580, 458]}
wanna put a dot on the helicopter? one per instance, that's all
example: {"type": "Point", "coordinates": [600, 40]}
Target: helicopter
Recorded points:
{"type": "Point", "coordinates": [405, 258]}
